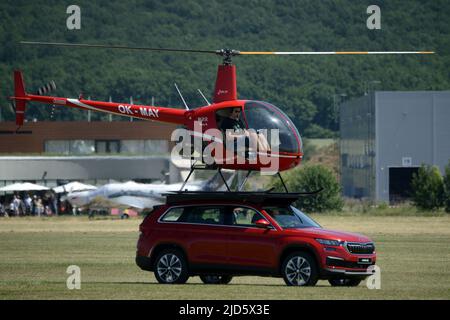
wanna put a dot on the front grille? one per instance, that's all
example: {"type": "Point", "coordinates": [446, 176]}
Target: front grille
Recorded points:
{"type": "Point", "coordinates": [360, 248]}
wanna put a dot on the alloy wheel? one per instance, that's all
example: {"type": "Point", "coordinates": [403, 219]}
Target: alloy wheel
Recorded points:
{"type": "Point", "coordinates": [169, 268]}
{"type": "Point", "coordinates": [298, 271]}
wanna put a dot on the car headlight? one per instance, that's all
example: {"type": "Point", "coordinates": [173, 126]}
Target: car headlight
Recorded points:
{"type": "Point", "coordinates": [327, 242]}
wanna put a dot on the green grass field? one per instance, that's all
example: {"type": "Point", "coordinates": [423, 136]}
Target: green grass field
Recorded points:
{"type": "Point", "coordinates": [413, 254]}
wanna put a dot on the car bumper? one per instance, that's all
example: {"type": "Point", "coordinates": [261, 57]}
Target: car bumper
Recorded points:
{"type": "Point", "coordinates": [350, 273]}
{"type": "Point", "coordinates": [349, 265]}
{"type": "Point", "coordinates": [144, 263]}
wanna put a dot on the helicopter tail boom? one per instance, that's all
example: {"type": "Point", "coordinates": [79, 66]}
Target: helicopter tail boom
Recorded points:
{"type": "Point", "coordinates": [160, 114]}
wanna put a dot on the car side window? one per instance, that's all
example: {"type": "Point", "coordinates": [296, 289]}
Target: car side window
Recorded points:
{"type": "Point", "coordinates": [173, 215]}
{"type": "Point", "coordinates": [243, 216]}
{"type": "Point", "coordinates": [205, 215]}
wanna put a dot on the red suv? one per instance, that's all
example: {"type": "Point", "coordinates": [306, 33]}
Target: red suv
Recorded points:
{"type": "Point", "coordinates": [220, 235]}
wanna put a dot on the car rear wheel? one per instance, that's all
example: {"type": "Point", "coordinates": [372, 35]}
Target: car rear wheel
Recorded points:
{"type": "Point", "coordinates": [171, 267]}
{"type": "Point", "coordinates": [344, 282]}
{"type": "Point", "coordinates": [299, 269]}
{"type": "Point", "coordinates": [215, 279]}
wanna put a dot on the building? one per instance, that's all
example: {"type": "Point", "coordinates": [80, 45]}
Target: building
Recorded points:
{"type": "Point", "coordinates": [386, 136]}
{"type": "Point", "coordinates": [53, 153]}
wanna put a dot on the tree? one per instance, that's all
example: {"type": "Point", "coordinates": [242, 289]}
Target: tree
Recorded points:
{"type": "Point", "coordinates": [311, 178]}
{"type": "Point", "coordinates": [302, 86]}
{"type": "Point", "coordinates": [447, 188]}
{"type": "Point", "coordinates": [428, 188]}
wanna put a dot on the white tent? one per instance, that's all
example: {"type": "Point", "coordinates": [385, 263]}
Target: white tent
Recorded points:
{"type": "Point", "coordinates": [25, 186]}
{"type": "Point", "coordinates": [74, 187]}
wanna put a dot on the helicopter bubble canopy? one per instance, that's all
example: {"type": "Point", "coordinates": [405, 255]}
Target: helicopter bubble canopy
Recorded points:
{"type": "Point", "coordinates": [262, 115]}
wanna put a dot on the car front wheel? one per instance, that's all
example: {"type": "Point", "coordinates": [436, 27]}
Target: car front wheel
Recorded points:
{"type": "Point", "coordinates": [214, 279]}
{"type": "Point", "coordinates": [171, 267]}
{"type": "Point", "coordinates": [299, 269]}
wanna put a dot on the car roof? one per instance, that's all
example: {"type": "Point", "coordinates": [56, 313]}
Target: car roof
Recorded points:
{"type": "Point", "coordinates": [257, 198]}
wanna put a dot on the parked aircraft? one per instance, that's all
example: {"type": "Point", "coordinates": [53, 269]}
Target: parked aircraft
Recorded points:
{"type": "Point", "coordinates": [139, 195]}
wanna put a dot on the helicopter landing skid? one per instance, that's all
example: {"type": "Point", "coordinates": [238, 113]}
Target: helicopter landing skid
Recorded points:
{"type": "Point", "coordinates": [250, 172]}
{"type": "Point", "coordinates": [193, 168]}
{"type": "Point", "coordinates": [239, 188]}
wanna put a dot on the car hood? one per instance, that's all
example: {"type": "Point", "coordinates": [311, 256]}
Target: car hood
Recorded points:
{"type": "Point", "coordinates": [329, 234]}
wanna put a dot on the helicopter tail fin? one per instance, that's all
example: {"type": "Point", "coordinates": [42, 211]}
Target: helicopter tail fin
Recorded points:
{"type": "Point", "coordinates": [225, 84]}
{"type": "Point", "coordinates": [20, 97]}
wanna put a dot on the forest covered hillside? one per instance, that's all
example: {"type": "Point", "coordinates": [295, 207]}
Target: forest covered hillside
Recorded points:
{"type": "Point", "coordinates": [307, 88]}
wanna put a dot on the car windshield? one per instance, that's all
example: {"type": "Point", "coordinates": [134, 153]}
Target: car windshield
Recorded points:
{"type": "Point", "coordinates": [291, 218]}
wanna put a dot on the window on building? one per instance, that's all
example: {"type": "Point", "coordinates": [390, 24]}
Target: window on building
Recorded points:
{"type": "Point", "coordinates": [132, 146]}
{"type": "Point", "coordinates": [82, 147]}
{"type": "Point", "coordinates": [107, 146]}
{"type": "Point", "coordinates": [156, 146]}
{"type": "Point", "coordinates": [67, 147]}
{"type": "Point", "coordinates": [144, 146]}
{"type": "Point", "coordinates": [57, 146]}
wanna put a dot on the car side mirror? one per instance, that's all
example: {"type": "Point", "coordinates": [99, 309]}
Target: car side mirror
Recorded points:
{"type": "Point", "coordinates": [263, 223]}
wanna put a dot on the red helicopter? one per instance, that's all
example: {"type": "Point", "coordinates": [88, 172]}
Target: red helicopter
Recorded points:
{"type": "Point", "coordinates": [253, 115]}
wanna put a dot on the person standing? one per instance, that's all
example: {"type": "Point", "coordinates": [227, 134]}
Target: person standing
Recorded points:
{"type": "Point", "coordinates": [28, 204]}
{"type": "Point", "coordinates": [34, 205]}
{"type": "Point", "coordinates": [11, 209]}
{"type": "Point", "coordinates": [22, 208]}
{"type": "Point", "coordinates": [3, 210]}
{"type": "Point", "coordinates": [16, 205]}
{"type": "Point", "coordinates": [39, 207]}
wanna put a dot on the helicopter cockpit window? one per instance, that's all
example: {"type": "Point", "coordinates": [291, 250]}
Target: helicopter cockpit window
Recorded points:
{"type": "Point", "coordinates": [230, 118]}
{"type": "Point", "coordinates": [235, 129]}
{"type": "Point", "coordinates": [266, 116]}
{"type": "Point", "coordinates": [229, 121]}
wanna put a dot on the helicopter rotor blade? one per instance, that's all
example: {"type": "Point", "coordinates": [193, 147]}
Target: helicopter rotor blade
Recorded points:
{"type": "Point", "coordinates": [224, 52]}
{"type": "Point", "coordinates": [330, 52]}
{"type": "Point", "coordinates": [105, 46]}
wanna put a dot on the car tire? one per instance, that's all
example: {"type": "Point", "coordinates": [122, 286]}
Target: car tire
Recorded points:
{"type": "Point", "coordinates": [344, 282]}
{"type": "Point", "coordinates": [216, 279]}
{"type": "Point", "coordinates": [300, 269]}
{"type": "Point", "coordinates": [171, 267]}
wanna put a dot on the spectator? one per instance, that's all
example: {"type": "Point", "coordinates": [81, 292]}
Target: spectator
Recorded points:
{"type": "Point", "coordinates": [22, 208]}
{"type": "Point", "coordinates": [39, 207]}
{"type": "Point", "coordinates": [2, 210]}
{"type": "Point", "coordinates": [28, 204]}
{"type": "Point", "coordinates": [33, 205]}
{"type": "Point", "coordinates": [48, 211]}
{"type": "Point", "coordinates": [16, 205]}
{"type": "Point", "coordinates": [53, 203]}
{"type": "Point", "coordinates": [11, 208]}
